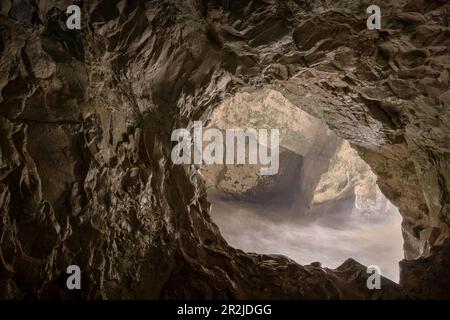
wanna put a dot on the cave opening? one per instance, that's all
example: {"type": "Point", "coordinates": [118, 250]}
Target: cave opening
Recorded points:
{"type": "Point", "coordinates": [323, 206]}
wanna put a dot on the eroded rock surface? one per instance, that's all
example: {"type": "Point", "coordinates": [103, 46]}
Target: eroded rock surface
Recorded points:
{"type": "Point", "coordinates": [349, 176]}
{"type": "Point", "coordinates": [86, 117]}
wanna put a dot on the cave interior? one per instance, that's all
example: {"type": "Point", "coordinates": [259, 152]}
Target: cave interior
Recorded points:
{"type": "Point", "coordinates": [86, 117]}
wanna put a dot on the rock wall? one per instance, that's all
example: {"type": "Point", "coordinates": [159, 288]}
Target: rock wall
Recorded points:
{"type": "Point", "coordinates": [86, 117]}
{"type": "Point", "coordinates": [349, 176]}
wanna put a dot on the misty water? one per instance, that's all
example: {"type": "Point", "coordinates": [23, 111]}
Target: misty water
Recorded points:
{"type": "Point", "coordinates": [329, 238]}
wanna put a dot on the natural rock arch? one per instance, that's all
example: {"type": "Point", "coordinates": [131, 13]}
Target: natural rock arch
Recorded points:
{"type": "Point", "coordinates": [86, 117]}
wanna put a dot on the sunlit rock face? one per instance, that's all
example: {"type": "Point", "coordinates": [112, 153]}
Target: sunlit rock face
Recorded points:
{"type": "Point", "coordinates": [349, 176]}
{"type": "Point", "coordinates": [85, 119]}
{"type": "Point", "coordinates": [306, 146]}
{"type": "Point", "coordinates": [268, 109]}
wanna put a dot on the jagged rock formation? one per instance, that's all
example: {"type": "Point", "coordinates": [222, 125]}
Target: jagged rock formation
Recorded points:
{"type": "Point", "coordinates": [86, 117]}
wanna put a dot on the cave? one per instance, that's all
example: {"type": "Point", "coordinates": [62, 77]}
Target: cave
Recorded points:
{"type": "Point", "coordinates": [322, 207]}
{"type": "Point", "coordinates": [86, 117]}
